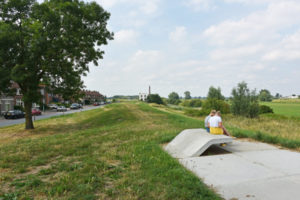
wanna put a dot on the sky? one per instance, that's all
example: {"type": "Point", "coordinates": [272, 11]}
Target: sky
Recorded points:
{"type": "Point", "coordinates": [190, 45]}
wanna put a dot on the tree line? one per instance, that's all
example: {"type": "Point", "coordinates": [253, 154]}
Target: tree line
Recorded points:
{"type": "Point", "coordinates": [243, 101]}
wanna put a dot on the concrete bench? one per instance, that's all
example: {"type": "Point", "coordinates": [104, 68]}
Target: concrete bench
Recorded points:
{"type": "Point", "coordinates": [193, 142]}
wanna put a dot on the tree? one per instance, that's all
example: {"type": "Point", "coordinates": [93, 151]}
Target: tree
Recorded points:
{"type": "Point", "coordinates": [278, 96]}
{"type": "Point", "coordinates": [244, 102]}
{"type": "Point", "coordinates": [49, 43]}
{"type": "Point", "coordinates": [265, 95]}
{"type": "Point", "coordinates": [173, 98]}
{"type": "Point", "coordinates": [187, 95]}
{"type": "Point", "coordinates": [216, 104]}
{"type": "Point", "coordinates": [215, 93]}
{"type": "Point", "coordinates": [154, 98]}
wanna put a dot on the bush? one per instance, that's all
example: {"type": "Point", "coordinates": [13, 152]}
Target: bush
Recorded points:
{"type": "Point", "coordinates": [216, 104]}
{"type": "Point", "coordinates": [192, 103]}
{"type": "Point", "coordinates": [154, 98]}
{"type": "Point", "coordinates": [195, 112]}
{"type": "Point", "coordinates": [265, 109]}
{"type": "Point", "coordinates": [253, 110]}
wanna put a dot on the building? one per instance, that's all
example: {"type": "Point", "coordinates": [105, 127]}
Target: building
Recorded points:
{"type": "Point", "coordinates": [92, 96]}
{"type": "Point", "coordinates": [8, 102]}
{"type": "Point", "coordinates": [143, 96]}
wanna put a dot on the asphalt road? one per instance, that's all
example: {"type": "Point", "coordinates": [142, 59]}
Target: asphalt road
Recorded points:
{"type": "Point", "coordinates": [9, 122]}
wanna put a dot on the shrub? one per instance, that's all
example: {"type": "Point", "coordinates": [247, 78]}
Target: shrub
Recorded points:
{"type": "Point", "coordinates": [154, 98]}
{"type": "Point", "coordinates": [196, 112]}
{"type": "Point", "coordinates": [192, 103]}
{"type": "Point", "coordinates": [253, 110]}
{"type": "Point", "coordinates": [216, 104]}
{"type": "Point", "coordinates": [265, 109]}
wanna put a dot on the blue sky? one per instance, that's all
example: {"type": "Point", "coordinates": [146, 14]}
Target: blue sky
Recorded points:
{"type": "Point", "coordinates": [190, 45]}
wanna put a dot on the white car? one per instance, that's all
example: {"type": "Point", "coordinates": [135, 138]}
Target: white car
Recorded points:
{"type": "Point", "coordinates": [52, 106]}
{"type": "Point", "coordinates": [61, 109]}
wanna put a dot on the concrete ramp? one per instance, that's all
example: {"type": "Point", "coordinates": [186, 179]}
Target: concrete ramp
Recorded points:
{"type": "Point", "coordinates": [193, 142]}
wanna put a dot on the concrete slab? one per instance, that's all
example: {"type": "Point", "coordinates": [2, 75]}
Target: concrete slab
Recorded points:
{"type": "Point", "coordinates": [193, 142]}
{"type": "Point", "coordinates": [252, 170]}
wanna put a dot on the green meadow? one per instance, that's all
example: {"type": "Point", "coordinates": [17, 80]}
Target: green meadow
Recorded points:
{"type": "Point", "coordinates": [113, 152]}
{"type": "Point", "coordinates": [286, 108]}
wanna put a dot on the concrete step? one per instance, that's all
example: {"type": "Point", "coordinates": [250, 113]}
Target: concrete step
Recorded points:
{"type": "Point", "coordinates": [193, 142]}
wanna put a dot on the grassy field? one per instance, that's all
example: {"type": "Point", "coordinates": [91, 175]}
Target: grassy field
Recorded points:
{"type": "Point", "coordinates": [110, 153]}
{"type": "Point", "coordinates": [287, 108]}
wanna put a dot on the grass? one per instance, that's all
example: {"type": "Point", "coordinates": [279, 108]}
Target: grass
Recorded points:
{"type": "Point", "coordinates": [286, 108]}
{"type": "Point", "coordinates": [111, 153]}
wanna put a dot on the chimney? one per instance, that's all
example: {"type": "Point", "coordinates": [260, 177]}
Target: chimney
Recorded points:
{"type": "Point", "coordinates": [149, 90]}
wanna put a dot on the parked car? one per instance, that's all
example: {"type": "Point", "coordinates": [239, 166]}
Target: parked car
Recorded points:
{"type": "Point", "coordinates": [75, 106]}
{"type": "Point", "coordinates": [52, 106]}
{"type": "Point", "coordinates": [14, 114]}
{"type": "Point", "coordinates": [61, 109]}
{"type": "Point", "coordinates": [96, 104]}
{"type": "Point", "coordinates": [36, 111]}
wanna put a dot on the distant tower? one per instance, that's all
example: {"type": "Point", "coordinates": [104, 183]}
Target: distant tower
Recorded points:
{"type": "Point", "coordinates": [149, 90]}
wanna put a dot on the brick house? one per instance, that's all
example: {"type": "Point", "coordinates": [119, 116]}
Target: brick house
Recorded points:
{"type": "Point", "coordinates": [92, 96]}
{"type": "Point", "coordinates": [8, 102]}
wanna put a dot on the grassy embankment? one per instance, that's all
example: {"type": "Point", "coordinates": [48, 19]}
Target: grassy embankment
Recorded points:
{"type": "Point", "coordinates": [110, 153]}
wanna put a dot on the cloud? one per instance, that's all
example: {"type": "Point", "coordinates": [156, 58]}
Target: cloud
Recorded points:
{"type": "Point", "coordinates": [288, 49]}
{"type": "Point", "coordinates": [126, 36]}
{"type": "Point", "coordinates": [200, 5]}
{"type": "Point", "coordinates": [259, 26]}
{"type": "Point", "coordinates": [144, 61]}
{"type": "Point", "coordinates": [148, 7]}
{"type": "Point", "coordinates": [178, 34]}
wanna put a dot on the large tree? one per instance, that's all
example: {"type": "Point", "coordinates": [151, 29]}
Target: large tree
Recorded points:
{"type": "Point", "coordinates": [173, 98]}
{"type": "Point", "coordinates": [265, 95]}
{"type": "Point", "coordinates": [215, 93]}
{"type": "Point", "coordinates": [187, 95]}
{"type": "Point", "coordinates": [49, 43]}
{"type": "Point", "coordinates": [244, 102]}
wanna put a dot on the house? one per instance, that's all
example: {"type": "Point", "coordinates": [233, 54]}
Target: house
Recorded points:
{"type": "Point", "coordinates": [7, 102]}
{"type": "Point", "coordinates": [143, 96]}
{"type": "Point", "coordinates": [90, 97]}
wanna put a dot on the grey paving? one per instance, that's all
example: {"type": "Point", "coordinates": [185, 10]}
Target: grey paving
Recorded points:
{"type": "Point", "coordinates": [251, 171]}
{"type": "Point", "coordinates": [193, 142]}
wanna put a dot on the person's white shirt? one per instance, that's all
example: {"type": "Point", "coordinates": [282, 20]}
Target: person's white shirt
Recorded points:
{"type": "Point", "coordinates": [214, 121]}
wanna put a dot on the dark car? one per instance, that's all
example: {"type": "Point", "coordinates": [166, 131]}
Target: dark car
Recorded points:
{"type": "Point", "coordinates": [14, 114]}
{"type": "Point", "coordinates": [75, 106]}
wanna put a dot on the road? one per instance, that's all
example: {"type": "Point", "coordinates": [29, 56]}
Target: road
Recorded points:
{"type": "Point", "coordinates": [9, 122]}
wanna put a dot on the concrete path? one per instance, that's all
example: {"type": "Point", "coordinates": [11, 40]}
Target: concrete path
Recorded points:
{"type": "Point", "coordinates": [250, 170]}
{"type": "Point", "coordinates": [193, 142]}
